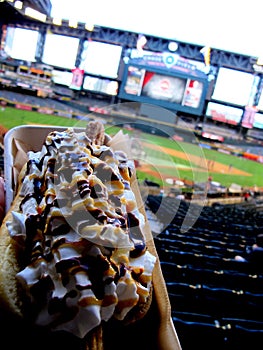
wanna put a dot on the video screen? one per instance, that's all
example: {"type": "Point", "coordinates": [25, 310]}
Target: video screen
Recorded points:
{"type": "Point", "coordinates": [105, 86]}
{"type": "Point", "coordinates": [258, 121]}
{"type": "Point", "coordinates": [60, 50]}
{"type": "Point", "coordinates": [193, 93]}
{"type": "Point", "coordinates": [260, 102]}
{"type": "Point", "coordinates": [162, 87]}
{"type": "Point", "coordinates": [178, 91]}
{"type": "Point", "coordinates": [224, 114]}
{"type": "Point", "coordinates": [187, 92]}
{"type": "Point", "coordinates": [101, 59]}
{"type": "Point", "coordinates": [62, 78]}
{"type": "Point", "coordinates": [134, 81]}
{"type": "Point", "coordinates": [21, 43]}
{"type": "Point", "coordinates": [233, 86]}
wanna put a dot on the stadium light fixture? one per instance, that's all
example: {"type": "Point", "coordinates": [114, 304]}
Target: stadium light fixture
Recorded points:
{"type": "Point", "coordinates": [172, 46]}
{"type": "Point", "coordinates": [35, 14]}
{"type": "Point", "coordinates": [18, 5]}
{"type": "Point", "coordinates": [73, 23]}
{"type": "Point", "coordinates": [57, 21]}
{"type": "Point", "coordinates": [89, 27]}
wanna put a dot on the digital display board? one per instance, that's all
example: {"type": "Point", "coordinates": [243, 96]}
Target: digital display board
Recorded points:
{"type": "Point", "coordinates": [223, 113]}
{"type": "Point", "coordinates": [105, 86]}
{"type": "Point", "coordinates": [258, 121]}
{"type": "Point", "coordinates": [260, 102]}
{"type": "Point", "coordinates": [101, 59]}
{"type": "Point", "coordinates": [60, 50]}
{"type": "Point", "coordinates": [161, 87]}
{"type": "Point", "coordinates": [180, 92]}
{"type": "Point", "coordinates": [62, 77]}
{"type": "Point", "coordinates": [21, 43]}
{"type": "Point", "coordinates": [234, 87]}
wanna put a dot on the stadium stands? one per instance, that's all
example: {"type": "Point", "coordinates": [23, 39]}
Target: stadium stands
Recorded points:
{"type": "Point", "coordinates": [35, 101]}
{"type": "Point", "coordinates": [217, 302]}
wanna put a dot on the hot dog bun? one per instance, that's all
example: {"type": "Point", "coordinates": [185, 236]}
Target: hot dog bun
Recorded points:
{"type": "Point", "coordinates": [9, 264]}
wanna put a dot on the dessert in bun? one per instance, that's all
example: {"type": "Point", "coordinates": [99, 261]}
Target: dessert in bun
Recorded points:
{"type": "Point", "coordinates": [73, 254]}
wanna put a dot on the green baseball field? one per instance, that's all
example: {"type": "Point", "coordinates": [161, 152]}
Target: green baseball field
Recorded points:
{"type": "Point", "coordinates": [159, 159]}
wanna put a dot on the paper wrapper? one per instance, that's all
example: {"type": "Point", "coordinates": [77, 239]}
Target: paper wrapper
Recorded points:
{"type": "Point", "coordinates": [18, 142]}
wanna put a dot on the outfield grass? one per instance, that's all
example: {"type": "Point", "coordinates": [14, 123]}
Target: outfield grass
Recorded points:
{"type": "Point", "coordinates": [11, 117]}
{"type": "Point", "coordinates": [192, 173]}
{"type": "Point", "coordinates": [167, 164]}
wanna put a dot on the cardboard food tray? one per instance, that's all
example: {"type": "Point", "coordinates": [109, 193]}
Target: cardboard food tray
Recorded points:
{"type": "Point", "coordinates": [18, 141]}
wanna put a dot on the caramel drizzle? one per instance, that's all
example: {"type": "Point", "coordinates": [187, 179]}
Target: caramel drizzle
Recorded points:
{"type": "Point", "coordinates": [90, 184]}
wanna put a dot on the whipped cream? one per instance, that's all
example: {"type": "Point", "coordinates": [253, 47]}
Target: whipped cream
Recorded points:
{"type": "Point", "coordinates": [82, 234]}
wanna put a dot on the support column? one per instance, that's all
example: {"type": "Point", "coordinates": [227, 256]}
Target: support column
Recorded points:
{"type": "Point", "coordinates": [41, 44]}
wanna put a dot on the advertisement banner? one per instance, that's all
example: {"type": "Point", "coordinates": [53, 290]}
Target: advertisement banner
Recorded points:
{"type": "Point", "coordinates": [249, 117]}
{"type": "Point", "coordinates": [77, 79]}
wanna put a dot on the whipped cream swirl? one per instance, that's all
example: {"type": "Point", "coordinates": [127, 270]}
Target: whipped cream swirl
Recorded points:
{"type": "Point", "coordinates": [85, 259]}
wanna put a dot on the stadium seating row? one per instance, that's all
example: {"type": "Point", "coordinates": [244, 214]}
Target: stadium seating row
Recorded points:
{"type": "Point", "coordinates": [216, 301]}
